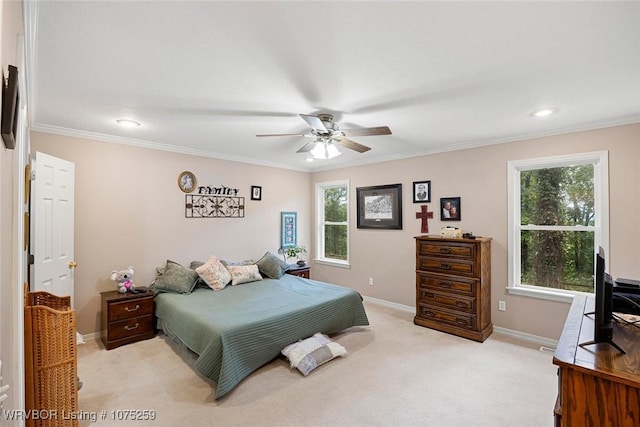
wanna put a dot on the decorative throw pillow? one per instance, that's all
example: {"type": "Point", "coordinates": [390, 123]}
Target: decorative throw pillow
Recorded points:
{"type": "Point", "coordinates": [271, 266]}
{"type": "Point", "coordinates": [244, 274]}
{"type": "Point", "coordinates": [214, 274]}
{"type": "Point", "coordinates": [175, 278]}
{"type": "Point", "coordinates": [308, 354]}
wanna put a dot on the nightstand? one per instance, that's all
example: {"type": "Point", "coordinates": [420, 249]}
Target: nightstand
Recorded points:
{"type": "Point", "coordinates": [126, 318]}
{"type": "Point", "coordinates": [300, 271]}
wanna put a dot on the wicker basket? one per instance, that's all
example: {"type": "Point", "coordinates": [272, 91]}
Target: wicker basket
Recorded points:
{"type": "Point", "coordinates": [51, 360]}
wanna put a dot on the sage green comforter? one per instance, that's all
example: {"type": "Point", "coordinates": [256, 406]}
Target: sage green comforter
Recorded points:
{"type": "Point", "coordinates": [240, 328]}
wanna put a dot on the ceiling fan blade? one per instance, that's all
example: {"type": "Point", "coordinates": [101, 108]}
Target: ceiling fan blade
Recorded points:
{"type": "Point", "coordinates": [282, 134]}
{"type": "Point", "coordinates": [380, 130]}
{"type": "Point", "coordinates": [306, 147]}
{"type": "Point", "coordinates": [347, 143]}
{"type": "Point", "coordinates": [314, 122]}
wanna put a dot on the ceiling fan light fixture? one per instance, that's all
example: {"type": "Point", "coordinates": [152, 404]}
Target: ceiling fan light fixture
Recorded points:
{"type": "Point", "coordinates": [324, 150]}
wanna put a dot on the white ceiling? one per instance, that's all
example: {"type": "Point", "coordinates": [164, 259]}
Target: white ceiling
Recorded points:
{"type": "Point", "coordinates": [206, 77]}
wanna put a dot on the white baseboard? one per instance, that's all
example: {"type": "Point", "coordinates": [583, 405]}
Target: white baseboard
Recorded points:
{"type": "Point", "coordinates": [546, 342]}
{"type": "Point", "coordinates": [91, 336]}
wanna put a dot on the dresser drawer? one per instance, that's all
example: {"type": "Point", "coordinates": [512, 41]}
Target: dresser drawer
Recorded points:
{"type": "Point", "coordinates": [447, 300]}
{"type": "Point", "coordinates": [130, 308]}
{"type": "Point", "coordinates": [447, 266]}
{"type": "Point", "coordinates": [446, 317]}
{"type": "Point", "coordinates": [462, 250]}
{"type": "Point", "coordinates": [130, 327]}
{"type": "Point", "coordinates": [441, 283]}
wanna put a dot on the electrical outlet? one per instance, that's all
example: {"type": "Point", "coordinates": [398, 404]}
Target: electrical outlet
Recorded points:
{"type": "Point", "coordinates": [371, 281]}
{"type": "Point", "coordinates": [502, 306]}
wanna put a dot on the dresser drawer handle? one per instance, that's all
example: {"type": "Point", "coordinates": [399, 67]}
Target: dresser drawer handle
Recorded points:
{"type": "Point", "coordinates": [131, 328]}
{"type": "Point", "coordinates": [445, 266]}
{"type": "Point", "coordinates": [132, 309]}
{"type": "Point", "coordinates": [430, 295]}
{"type": "Point", "coordinates": [445, 250]}
{"type": "Point", "coordinates": [430, 314]}
{"type": "Point", "coordinates": [445, 285]}
{"type": "Point", "coordinates": [462, 320]}
{"type": "Point", "coordinates": [461, 304]}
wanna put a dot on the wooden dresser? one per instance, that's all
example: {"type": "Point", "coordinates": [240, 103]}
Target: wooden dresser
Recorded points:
{"type": "Point", "coordinates": [597, 385]}
{"type": "Point", "coordinates": [126, 318]}
{"type": "Point", "coordinates": [453, 285]}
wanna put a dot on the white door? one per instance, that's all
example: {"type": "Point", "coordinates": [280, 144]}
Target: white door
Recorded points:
{"type": "Point", "coordinates": [52, 204]}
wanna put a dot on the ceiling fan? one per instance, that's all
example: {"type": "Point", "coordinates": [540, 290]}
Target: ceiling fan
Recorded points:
{"type": "Point", "coordinates": [326, 134]}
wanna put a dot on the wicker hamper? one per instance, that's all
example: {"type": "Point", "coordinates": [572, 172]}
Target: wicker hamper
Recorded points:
{"type": "Point", "coordinates": [51, 360]}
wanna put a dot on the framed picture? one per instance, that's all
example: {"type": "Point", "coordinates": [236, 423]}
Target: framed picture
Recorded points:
{"type": "Point", "coordinates": [289, 229]}
{"type": "Point", "coordinates": [421, 191]}
{"type": "Point", "coordinates": [450, 209]}
{"type": "Point", "coordinates": [187, 181]}
{"type": "Point", "coordinates": [380, 207]}
{"type": "Point", "coordinates": [256, 192]}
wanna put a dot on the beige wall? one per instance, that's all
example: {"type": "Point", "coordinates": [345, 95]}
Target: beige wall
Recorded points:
{"type": "Point", "coordinates": [11, 22]}
{"type": "Point", "coordinates": [130, 211]}
{"type": "Point", "coordinates": [479, 177]}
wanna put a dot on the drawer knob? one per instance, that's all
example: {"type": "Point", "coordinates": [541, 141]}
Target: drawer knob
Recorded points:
{"type": "Point", "coordinates": [461, 304]}
{"type": "Point", "coordinates": [430, 314]}
{"type": "Point", "coordinates": [430, 295]}
{"type": "Point", "coordinates": [461, 321]}
{"type": "Point", "coordinates": [445, 266]}
{"type": "Point", "coordinates": [445, 285]}
{"type": "Point", "coordinates": [136, 308]}
{"type": "Point", "coordinates": [445, 250]}
{"type": "Point", "coordinates": [131, 328]}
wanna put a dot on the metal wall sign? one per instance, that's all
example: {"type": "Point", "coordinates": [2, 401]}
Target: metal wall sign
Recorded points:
{"type": "Point", "coordinates": [211, 206]}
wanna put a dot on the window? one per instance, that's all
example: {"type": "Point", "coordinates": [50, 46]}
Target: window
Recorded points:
{"type": "Point", "coordinates": [558, 216]}
{"type": "Point", "coordinates": [332, 222]}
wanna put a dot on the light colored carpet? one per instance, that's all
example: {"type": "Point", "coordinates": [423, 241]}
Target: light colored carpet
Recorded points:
{"type": "Point", "coordinates": [396, 374]}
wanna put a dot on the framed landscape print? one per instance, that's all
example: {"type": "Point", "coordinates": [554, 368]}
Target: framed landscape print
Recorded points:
{"type": "Point", "coordinates": [380, 207]}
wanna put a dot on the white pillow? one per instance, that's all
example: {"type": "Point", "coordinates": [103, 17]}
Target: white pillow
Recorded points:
{"type": "Point", "coordinates": [244, 274]}
{"type": "Point", "coordinates": [214, 274]}
{"type": "Point", "coordinates": [308, 354]}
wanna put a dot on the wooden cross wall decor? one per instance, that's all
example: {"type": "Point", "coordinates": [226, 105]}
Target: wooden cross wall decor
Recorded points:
{"type": "Point", "coordinates": [424, 215]}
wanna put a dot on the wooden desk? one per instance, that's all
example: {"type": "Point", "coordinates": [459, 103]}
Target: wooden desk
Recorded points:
{"type": "Point", "coordinates": [597, 385]}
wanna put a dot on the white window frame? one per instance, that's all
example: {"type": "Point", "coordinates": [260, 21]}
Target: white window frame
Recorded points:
{"type": "Point", "coordinates": [320, 223]}
{"type": "Point", "coordinates": [600, 162]}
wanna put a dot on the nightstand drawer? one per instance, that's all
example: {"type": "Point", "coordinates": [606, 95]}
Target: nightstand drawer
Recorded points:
{"type": "Point", "coordinates": [130, 327]}
{"type": "Point", "coordinates": [131, 308]}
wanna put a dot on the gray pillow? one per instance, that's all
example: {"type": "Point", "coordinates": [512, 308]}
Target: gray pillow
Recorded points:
{"type": "Point", "coordinates": [176, 278]}
{"type": "Point", "coordinates": [271, 266]}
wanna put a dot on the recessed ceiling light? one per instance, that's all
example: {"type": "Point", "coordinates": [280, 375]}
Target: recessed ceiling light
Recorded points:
{"type": "Point", "coordinates": [544, 112]}
{"type": "Point", "coordinates": [128, 123]}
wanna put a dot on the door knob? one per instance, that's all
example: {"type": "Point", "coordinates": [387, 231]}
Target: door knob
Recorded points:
{"type": "Point", "coordinates": [72, 264]}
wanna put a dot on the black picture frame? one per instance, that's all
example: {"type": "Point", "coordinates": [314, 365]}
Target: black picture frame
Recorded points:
{"type": "Point", "coordinates": [256, 192]}
{"type": "Point", "coordinates": [380, 207]}
{"type": "Point", "coordinates": [450, 209]}
{"type": "Point", "coordinates": [10, 108]}
{"type": "Point", "coordinates": [421, 191]}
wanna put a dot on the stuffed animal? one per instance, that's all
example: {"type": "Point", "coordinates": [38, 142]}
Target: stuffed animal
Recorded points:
{"type": "Point", "coordinates": [123, 277]}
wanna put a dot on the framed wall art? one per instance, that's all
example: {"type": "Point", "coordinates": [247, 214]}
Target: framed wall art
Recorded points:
{"type": "Point", "coordinates": [187, 181]}
{"type": "Point", "coordinates": [422, 191]}
{"type": "Point", "coordinates": [450, 209]}
{"type": "Point", "coordinates": [380, 207]}
{"type": "Point", "coordinates": [256, 192]}
{"type": "Point", "coordinates": [289, 229]}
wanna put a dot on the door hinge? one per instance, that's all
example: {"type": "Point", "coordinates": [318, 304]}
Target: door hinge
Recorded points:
{"type": "Point", "coordinates": [31, 259]}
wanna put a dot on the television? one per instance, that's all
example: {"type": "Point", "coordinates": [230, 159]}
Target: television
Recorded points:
{"type": "Point", "coordinates": [10, 107]}
{"type": "Point", "coordinates": [603, 301]}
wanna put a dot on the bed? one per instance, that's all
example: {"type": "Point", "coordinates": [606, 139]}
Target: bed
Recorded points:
{"type": "Point", "coordinates": [240, 328]}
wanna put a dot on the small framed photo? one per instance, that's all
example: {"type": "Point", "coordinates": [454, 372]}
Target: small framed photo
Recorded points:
{"type": "Point", "coordinates": [421, 191]}
{"type": "Point", "coordinates": [380, 207]}
{"type": "Point", "coordinates": [187, 181]}
{"type": "Point", "coordinates": [256, 192]}
{"type": "Point", "coordinates": [450, 209]}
